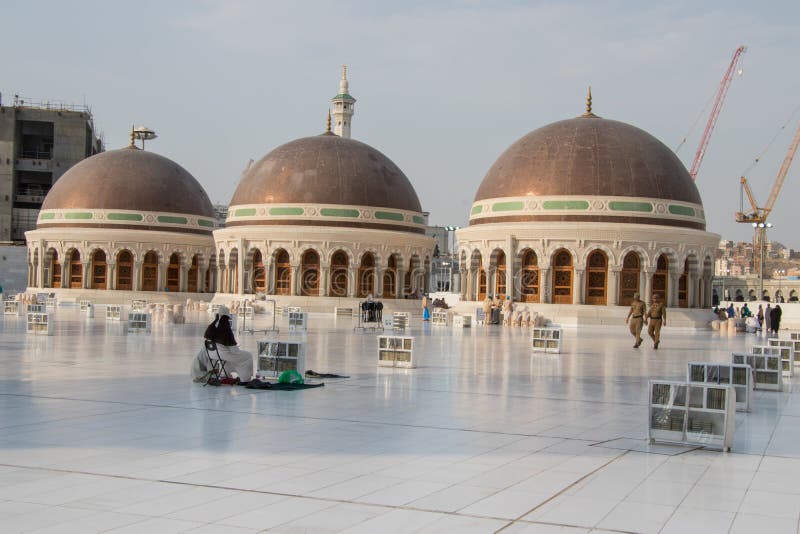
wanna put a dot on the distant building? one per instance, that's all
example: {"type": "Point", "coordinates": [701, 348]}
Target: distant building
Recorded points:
{"type": "Point", "coordinates": [39, 142]}
{"type": "Point", "coordinates": [221, 213]}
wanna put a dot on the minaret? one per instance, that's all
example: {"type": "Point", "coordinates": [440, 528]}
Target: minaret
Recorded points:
{"type": "Point", "coordinates": [343, 107]}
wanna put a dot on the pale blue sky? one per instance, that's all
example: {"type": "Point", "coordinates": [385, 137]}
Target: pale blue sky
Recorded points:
{"type": "Point", "coordinates": [442, 87]}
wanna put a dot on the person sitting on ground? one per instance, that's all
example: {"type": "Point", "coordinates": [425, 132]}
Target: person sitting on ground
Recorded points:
{"type": "Point", "coordinates": [238, 362]}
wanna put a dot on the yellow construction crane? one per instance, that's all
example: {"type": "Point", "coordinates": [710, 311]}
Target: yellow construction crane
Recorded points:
{"type": "Point", "coordinates": [758, 216]}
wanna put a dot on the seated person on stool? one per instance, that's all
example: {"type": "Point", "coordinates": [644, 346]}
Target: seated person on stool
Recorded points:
{"type": "Point", "coordinates": [238, 362]}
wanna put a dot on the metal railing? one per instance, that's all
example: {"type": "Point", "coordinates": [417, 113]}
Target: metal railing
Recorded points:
{"type": "Point", "coordinates": [36, 154]}
{"type": "Point", "coordinates": [55, 105]}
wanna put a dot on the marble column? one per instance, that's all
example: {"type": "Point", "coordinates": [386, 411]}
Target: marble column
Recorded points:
{"type": "Point", "coordinates": [352, 277]}
{"type": "Point", "coordinates": [162, 276]}
{"type": "Point", "coordinates": [40, 265]}
{"type": "Point", "coordinates": [690, 290]}
{"type": "Point", "coordinates": [379, 273]}
{"type": "Point", "coordinates": [648, 286]}
{"type": "Point", "coordinates": [578, 286]}
{"type": "Point", "coordinates": [324, 279]}
{"type": "Point", "coordinates": [111, 276]}
{"type": "Point", "coordinates": [400, 282]}
{"type": "Point", "coordinates": [468, 290]}
{"type": "Point", "coordinates": [294, 286]}
{"type": "Point", "coordinates": [491, 282]}
{"type": "Point", "coordinates": [183, 277]}
{"type": "Point", "coordinates": [87, 274]}
{"type": "Point", "coordinates": [672, 290]}
{"type": "Point", "coordinates": [612, 293]}
{"type": "Point", "coordinates": [544, 285]}
{"type": "Point", "coordinates": [240, 268]}
{"type": "Point", "coordinates": [137, 275]}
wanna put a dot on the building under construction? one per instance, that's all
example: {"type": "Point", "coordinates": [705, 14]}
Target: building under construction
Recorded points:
{"type": "Point", "coordinates": [38, 143]}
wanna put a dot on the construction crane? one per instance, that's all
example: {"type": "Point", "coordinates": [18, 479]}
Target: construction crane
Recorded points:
{"type": "Point", "coordinates": [758, 216]}
{"type": "Point", "coordinates": [722, 92]}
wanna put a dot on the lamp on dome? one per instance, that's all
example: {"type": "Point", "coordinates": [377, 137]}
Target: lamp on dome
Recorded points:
{"type": "Point", "coordinates": [143, 134]}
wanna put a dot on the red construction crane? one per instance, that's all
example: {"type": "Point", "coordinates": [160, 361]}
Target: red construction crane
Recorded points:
{"type": "Point", "coordinates": [712, 119]}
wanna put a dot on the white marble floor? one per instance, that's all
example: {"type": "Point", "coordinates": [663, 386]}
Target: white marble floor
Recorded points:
{"type": "Point", "coordinates": [105, 433]}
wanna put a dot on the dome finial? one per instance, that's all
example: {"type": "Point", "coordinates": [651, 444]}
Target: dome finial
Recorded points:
{"type": "Point", "coordinates": [344, 72]}
{"type": "Point", "coordinates": [589, 101]}
{"type": "Point", "coordinates": [133, 136]}
{"type": "Point", "coordinates": [328, 123]}
{"type": "Point", "coordinates": [589, 113]}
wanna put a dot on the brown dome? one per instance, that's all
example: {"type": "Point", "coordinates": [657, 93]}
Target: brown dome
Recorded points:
{"type": "Point", "coordinates": [589, 156]}
{"type": "Point", "coordinates": [327, 169]}
{"type": "Point", "coordinates": [129, 179]}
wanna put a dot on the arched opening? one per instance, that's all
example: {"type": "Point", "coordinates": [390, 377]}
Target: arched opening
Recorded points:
{"type": "Point", "coordinates": [339, 265]}
{"type": "Point", "coordinates": [220, 280]}
{"type": "Point", "coordinates": [683, 286]}
{"type": "Point", "coordinates": [597, 278]}
{"type": "Point", "coordinates": [210, 282]}
{"type": "Point", "coordinates": [309, 279]}
{"type": "Point", "coordinates": [390, 278]}
{"type": "Point", "coordinates": [259, 273]}
{"type": "Point", "coordinates": [661, 278]}
{"type": "Point", "coordinates": [629, 278]}
{"type": "Point", "coordinates": [562, 277]}
{"type": "Point", "coordinates": [174, 273]}
{"type": "Point", "coordinates": [233, 271]}
{"type": "Point", "coordinates": [751, 294]}
{"type": "Point", "coordinates": [283, 273]}
{"type": "Point", "coordinates": [765, 295]}
{"type": "Point", "coordinates": [75, 270]}
{"type": "Point", "coordinates": [480, 275]}
{"type": "Point", "coordinates": [500, 274]}
{"type": "Point", "coordinates": [124, 270]}
{"type": "Point", "coordinates": [739, 296]}
{"type": "Point", "coordinates": [191, 282]}
{"type": "Point", "coordinates": [529, 285]}
{"type": "Point", "coordinates": [55, 270]}
{"type": "Point", "coordinates": [366, 275]}
{"type": "Point", "coordinates": [150, 272]}
{"type": "Point", "coordinates": [413, 266]}
{"type": "Point", "coordinates": [99, 270]}
{"type": "Point", "coordinates": [778, 296]}
{"type": "Point", "coordinates": [792, 295]}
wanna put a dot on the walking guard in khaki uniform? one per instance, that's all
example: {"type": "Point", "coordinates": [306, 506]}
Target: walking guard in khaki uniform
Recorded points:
{"type": "Point", "coordinates": [635, 319]}
{"type": "Point", "coordinates": [657, 319]}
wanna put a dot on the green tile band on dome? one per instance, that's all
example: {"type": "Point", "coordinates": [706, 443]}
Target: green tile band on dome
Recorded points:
{"type": "Point", "coordinates": [246, 212]}
{"type": "Point", "coordinates": [338, 212]}
{"type": "Point", "coordinates": [206, 223]}
{"type": "Point", "coordinates": [508, 206]}
{"type": "Point", "coordinates": [124, 217]}
{"type": "Point", "coordinates": [565, 205]}
{"type": "Point", "coordinates": [418, 219]}
{"type": "Point", "coordinates": [477, 209]}
{"type": "Point", "coordinates": [78, 215]}
{"type": "Point", "coordinates": [169, 219]}
{"type": "Point", "coordinates": [278, 211]}
{"type": "Point", "coordinates": [47, 216]}
{"type": "Point", "coordinates": [630, 206]}
{"type": "Point", "coordinates": [681, 210]}
{"type": "Point", "coordinates": [389, 216]}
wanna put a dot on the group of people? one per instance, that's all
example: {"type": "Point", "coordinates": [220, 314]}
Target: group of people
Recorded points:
{"type": "Point", "coordinates": [371, 311]}
{"type": "Point", "coordinates": [768, 320]}
{"type": "Point", "coordinates": [639, 315]}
